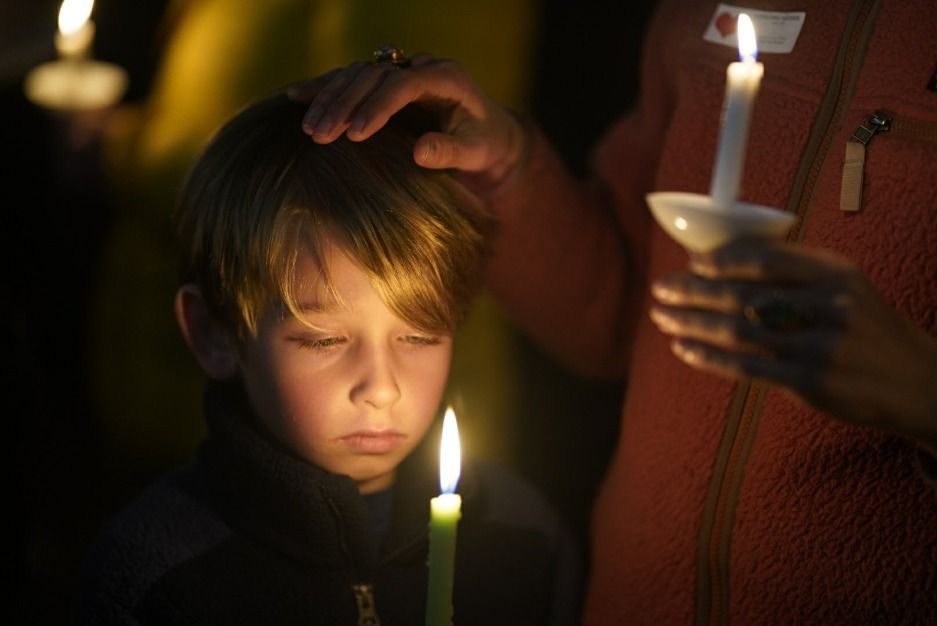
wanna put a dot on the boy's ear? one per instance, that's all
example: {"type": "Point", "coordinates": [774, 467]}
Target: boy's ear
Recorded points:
{"type": "Point", "coordinates": [211, 344]}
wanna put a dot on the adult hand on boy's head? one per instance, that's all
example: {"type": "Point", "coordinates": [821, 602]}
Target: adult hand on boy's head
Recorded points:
{"type": "Point", "coordinates": [810, 321]}
{"type": "Point", "coordinates": [477, 136]}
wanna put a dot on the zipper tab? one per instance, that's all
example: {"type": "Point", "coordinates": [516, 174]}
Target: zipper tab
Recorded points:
{"type": "Point", "coordinates": [367, 612]}
{"type": "Point", "coordinates": [878, 122]}
{"type": "Point", "coordinates": [850, 195]}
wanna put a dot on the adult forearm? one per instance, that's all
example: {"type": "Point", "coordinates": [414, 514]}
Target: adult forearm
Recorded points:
{"type": "Point", "coordinates": [561, 267]}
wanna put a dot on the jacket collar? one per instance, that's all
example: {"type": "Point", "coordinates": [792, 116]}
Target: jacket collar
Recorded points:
{"type": "Point", "coordinates": [300, 510]}
{"type": "Point", "coordinates": [272, 495]}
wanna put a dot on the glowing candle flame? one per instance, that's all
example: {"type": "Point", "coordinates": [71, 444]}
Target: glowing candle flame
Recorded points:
{"type": "Point", "coordinates": [73, 15]}
{"type": "Point", "coordinates": [748, 44]}
{"type": "Point", "coordinates": [450, 454]}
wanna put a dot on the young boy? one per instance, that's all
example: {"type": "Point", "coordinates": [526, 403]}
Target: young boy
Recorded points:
{"type": "Point", "coordinates": [321, 289]}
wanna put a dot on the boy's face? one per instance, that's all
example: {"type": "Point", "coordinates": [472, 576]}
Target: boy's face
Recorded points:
{"type": "Point", "coordinates": [355, 397]}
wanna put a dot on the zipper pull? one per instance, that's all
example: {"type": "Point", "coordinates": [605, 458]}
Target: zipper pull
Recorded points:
{"type": "Point", "coordinates": [850, 195]}
{"type": "Point", "coordinates": [367, 612]}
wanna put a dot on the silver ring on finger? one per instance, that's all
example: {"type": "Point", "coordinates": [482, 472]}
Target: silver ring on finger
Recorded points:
{"type": "Point", "coordinates": [394, 55]}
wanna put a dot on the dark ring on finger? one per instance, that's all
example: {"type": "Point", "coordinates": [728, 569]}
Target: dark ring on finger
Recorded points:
{"type": "Point", "coordinates": [777, 311]}
{"type": "Point", "coordinates": [392, 54]}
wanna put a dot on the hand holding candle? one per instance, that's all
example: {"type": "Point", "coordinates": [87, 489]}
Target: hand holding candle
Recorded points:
{"type": "Point", "coordinates": [445, 511]}
{"type": "Point", "coordinates": [742, 81]}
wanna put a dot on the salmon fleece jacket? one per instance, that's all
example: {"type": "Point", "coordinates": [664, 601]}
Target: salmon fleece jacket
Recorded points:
{"type": "Point", "coordinates": [730, 501]}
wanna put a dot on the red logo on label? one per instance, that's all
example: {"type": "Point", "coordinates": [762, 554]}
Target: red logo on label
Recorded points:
{"type": "Point", "coordinates": [726, 24]}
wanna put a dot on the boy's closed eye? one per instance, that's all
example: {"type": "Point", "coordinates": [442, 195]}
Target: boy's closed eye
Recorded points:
{"type": "Point", "coordinates": [422, 340]}
{"type": "Point", "coordinates": [326, 343]}
{"type": "Point", "coordinates": [319, 343]}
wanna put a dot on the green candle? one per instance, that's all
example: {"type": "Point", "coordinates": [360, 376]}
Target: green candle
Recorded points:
{"type": "Point", "coordinates": [445, 511]}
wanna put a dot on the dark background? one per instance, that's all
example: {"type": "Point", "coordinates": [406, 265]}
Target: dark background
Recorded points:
{"type": "Point", "coordinates": [67, 480]}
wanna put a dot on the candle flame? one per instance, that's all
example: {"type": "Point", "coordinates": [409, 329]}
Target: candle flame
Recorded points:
{"type": "Point", "coordinates": [748, 45]}
{"type": "Point", "coordinates": [450, 453]}
{"type": "Point", "coordinates": [73, 14]}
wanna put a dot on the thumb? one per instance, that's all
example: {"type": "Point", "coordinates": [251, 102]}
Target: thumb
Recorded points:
{"type": "Point", "coordinates": [441, 151]}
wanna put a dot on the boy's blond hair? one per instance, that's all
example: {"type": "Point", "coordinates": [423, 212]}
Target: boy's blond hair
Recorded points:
{"type": "Point", "coordinates": [262, 191]}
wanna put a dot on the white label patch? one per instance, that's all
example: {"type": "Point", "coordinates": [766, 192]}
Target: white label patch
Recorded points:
{"type": "Point", "coordinates": [776, 32]}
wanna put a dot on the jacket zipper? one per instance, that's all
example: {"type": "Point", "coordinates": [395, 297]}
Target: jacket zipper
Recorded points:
{"type": "Point", "coordinates": [362, 592]}
{"type": "Point", "coordinates": [741, 422]}
{"type": "Point", "coordinates": [850, 191]}
{"type": "Point", "coordinates": [364, 598]}
{"type": "Point", "coordinates": [832, 109]}
{"type": "Point", "coordinates": [850, 195]}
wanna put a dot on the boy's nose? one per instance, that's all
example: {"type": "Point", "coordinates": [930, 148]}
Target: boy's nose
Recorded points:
{"type": "Point", "coordinates": [377, 384]}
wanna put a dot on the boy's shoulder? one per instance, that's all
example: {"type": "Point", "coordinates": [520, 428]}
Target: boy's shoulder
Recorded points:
{"type": "Point", "coordinates": [161, 529]}
{"type": "Point", "coordinates": [503, 506]}
{"type": "Point", "coordinates": [512, 499]}
{"type": "Point", "coordinates": [521, 543]}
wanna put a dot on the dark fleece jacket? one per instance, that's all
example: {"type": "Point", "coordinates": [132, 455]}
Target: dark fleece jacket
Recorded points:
{"type": "Point", "coordinates": [250, 534]}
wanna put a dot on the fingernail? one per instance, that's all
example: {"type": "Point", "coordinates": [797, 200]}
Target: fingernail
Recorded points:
{"type": "Point", "coordinates": [662, 291]}
{"type": "Point", "coordinates": [703, 268]}
{"type": "Point", "coordinates": [324, 127]}
{"type": "Point", "coordinates": [662, 319]}
{"type": "Point", "coordinates": [357, 125]}
{"type": "Point", "coordinates": [688, 354]}
{"type": "Point", "coordinates": [311, 117]}
{"type": "Point", "coordinates": [426, 154]}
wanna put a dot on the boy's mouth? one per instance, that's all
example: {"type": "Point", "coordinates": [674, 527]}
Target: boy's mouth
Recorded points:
{"type": "Point", "coordinates": [373, 441]}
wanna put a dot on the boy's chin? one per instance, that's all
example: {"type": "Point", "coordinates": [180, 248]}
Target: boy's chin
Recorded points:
{"type": "Point", "coordinates": [375, 483]}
